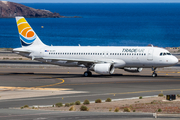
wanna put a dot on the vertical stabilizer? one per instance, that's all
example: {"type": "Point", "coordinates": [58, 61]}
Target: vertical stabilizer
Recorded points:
{"type": "Point", "coordinates": [27, 35]}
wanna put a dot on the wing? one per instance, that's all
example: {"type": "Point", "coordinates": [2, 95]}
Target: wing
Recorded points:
{"type": "Point", "coordinates": [74, 60]}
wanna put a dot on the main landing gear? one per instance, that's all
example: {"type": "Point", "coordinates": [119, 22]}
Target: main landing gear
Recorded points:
{"type": "Point", "coordinates": [87, 73]}
{"type": "Point", "coordinates": [154, 74]}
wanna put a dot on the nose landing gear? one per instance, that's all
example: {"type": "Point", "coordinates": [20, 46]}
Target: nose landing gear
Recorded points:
{"type": "Point", "coordinates": [154, 74]}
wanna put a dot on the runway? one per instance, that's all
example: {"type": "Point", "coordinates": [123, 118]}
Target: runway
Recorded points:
{"type": "Point", "coordinates": [116, 86]}
{"type": "Point", "coordinates": [26, 81]}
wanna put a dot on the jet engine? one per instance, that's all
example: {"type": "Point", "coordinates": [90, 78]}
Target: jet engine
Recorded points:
{"type": "Point", "coordinates": [103, 68]}
{"type": "Point", "coordinates": [133, 70]}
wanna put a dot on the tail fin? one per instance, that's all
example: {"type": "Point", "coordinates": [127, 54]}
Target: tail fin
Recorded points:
{"type": "Point", "coordinates": [27, 35]}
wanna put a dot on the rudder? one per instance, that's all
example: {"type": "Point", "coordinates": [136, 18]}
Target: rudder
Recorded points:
{"type": "Point", "coordinates": [27, 35]}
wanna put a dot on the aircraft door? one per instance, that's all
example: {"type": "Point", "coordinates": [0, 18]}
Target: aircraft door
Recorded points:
{"type": "Point", "coordinates": [42, 52]}
{"type": "Point", "coordinates": [150, 55]}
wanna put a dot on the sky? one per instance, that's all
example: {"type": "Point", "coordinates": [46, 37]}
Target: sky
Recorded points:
{"type": "Point", "coordinates": [94, 1]}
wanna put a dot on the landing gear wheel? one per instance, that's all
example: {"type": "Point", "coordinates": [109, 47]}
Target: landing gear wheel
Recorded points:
{"type": "Point", "coordinates": [87, 74]}
{"type": "Point", "coordinates": [154, 72]}
{"type": "Point", "coordinates": [154, 75]}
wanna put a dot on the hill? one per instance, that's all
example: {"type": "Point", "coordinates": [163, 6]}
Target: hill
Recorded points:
{"type": "Point", "coordinates": [11, 9]}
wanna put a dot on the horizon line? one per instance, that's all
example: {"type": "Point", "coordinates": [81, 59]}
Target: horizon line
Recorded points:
{"type": "Point", "coordinates": [98, 2]}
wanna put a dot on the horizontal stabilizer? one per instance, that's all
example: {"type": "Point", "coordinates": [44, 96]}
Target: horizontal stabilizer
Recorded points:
{"type": "Point", "coordinates": [21, 50]}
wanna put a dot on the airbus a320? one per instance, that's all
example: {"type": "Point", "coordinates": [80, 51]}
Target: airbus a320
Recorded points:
{"type": "Point", "coordinates": [102, 60]}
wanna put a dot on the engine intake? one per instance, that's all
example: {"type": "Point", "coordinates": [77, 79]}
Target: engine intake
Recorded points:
{"type": "Point", "coordinates": [103, 68]}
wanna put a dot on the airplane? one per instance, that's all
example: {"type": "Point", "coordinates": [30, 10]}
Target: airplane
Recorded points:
{"type": "Point", "coordinates": [102, 60]}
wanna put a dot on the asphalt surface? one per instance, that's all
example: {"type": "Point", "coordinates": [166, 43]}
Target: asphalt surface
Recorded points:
{"type": "Point", "coordinates": [117, 86]}
{"type": "Point", "coordinates": [20, 62]}
{"type": "Point", "coordinates": [12, 114]}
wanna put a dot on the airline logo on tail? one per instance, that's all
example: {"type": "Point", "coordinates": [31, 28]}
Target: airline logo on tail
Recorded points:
{"type": "Point", "coordinates": [26, 33]}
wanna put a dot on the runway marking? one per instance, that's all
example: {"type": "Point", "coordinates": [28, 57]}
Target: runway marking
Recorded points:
{"type": "Point", "coordinates": [38, 87]}
{"type": "Point", "coordinates": [146, 91]}
{"type": "Point", "coordinates": [32, 88]}
{"type": "Point", "coordinates": [167, 72]}
{"type": "Point", "coordinates": [119, 82]}
{"type": "Point", "coordinates": [51, 84]}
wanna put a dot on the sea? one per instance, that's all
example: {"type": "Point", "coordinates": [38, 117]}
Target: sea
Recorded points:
{"type": "Point", "coordinates": [101, 24]}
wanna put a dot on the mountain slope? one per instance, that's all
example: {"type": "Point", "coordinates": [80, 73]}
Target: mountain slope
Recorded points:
{"type": "Point", "coordinates": [11, 9]}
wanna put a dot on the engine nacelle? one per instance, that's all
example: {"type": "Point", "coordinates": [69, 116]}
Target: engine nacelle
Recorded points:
{"type": "Point", "coordinates": [103, 68]}
{"type": "Point", "coordinates": [133, 70]}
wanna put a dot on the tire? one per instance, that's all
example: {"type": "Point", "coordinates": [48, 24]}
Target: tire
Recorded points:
{"type": "Point", "coordinates": [154, 75]}
{"type": "Point", "coordinates": [87, 74]}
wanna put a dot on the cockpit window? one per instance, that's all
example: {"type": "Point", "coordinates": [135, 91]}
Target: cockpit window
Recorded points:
{"type": "Point", "coordinates": [163, 54]}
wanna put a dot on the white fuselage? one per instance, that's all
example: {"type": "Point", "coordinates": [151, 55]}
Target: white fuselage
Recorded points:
{"type": "Point", "coordinates": [143, 57]}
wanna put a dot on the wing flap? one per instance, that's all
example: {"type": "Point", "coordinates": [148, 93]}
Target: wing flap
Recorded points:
{"type": "Point", "coordinates": [73, 60]}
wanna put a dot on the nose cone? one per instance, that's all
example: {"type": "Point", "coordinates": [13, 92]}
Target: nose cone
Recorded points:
{"type": "Point", "coordinates": [174, 60]}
